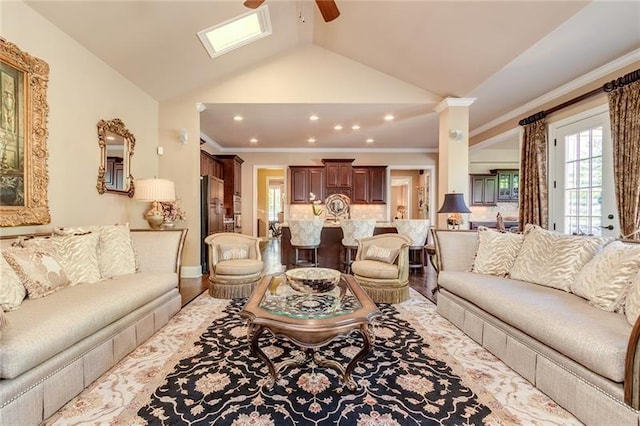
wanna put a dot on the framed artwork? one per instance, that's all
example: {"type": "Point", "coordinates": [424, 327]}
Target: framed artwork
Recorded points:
{"type": "Point", "coordinates": [23, 137]}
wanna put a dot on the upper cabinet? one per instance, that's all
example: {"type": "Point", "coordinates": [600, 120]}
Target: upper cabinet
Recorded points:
{"type": "Point", "coordinates": [508, 184]}
{"type": "Point", "coordinates": [337, 173]}
{"type": "Point", "coordinates": [232, 174]}
{"type": "Point", "coordinates": [304, 180]}
{"type": "Point", "coordinates": [369, 185]}
{"type": "Point", "coordinates": [483, 189]}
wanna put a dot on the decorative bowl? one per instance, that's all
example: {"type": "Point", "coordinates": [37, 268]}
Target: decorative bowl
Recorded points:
{"type": "Point", "coordinates": [313, 280]}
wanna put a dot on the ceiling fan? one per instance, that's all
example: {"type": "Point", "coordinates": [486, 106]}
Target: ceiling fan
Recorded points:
{"type": "Point", "coordinates": [328, 8]}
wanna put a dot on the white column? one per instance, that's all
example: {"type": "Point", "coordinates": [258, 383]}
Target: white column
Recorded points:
{"type": "Point", "coordinates": [453, 152]}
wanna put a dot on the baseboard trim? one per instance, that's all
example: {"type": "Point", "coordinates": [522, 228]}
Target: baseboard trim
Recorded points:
{"type": "Point", "coordinates": [191, 271]}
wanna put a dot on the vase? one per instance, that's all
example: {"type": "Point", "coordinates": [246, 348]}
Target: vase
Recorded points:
{"type": "Point", "coordinates": [168, 224]}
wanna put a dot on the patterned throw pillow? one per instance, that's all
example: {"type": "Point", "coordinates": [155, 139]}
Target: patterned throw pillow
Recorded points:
{"type": "Point", "coordinates": [234, 251]}
{"type": "Point", "coordinates": [78, 254]}
{"type": "Point", "coordinates": [632, 303]}
{"type": "Point", "coordinates": [381, 254]}
{"type": "Point", "coordinates": [116, 254]}
{"type": "Point", "coordinates": [496, 252]}
{"type": "Point", "coordinates": [553, 259]}
{"type": "Point", "coordinates": [606, 279]}
{"type": "Point", "coordinates": [12, 292]}
{"type": "Point", "coordinates": [40, 271]}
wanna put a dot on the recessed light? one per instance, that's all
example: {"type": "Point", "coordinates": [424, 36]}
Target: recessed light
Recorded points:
{"type": "Point", "coordinates": [311, 140]}
{"type": "Point", "coordinates": [313, 117]}
{"type": "Point", "coordinates": [389, 117]}
{"type": "Point", "coordinates": [355, 127]}
{"type": "Point", "coordinates": [337, 127]}
{"type": "Point", "coordinates": [238, 117]}
{"type": "Point", "coordinates": [370, 140]}
{"type": "Point", "coordinates": [253, 140]}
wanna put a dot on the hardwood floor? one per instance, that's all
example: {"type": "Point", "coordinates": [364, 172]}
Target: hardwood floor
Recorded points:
{"type": "Point", "coordinates": [190, 288]}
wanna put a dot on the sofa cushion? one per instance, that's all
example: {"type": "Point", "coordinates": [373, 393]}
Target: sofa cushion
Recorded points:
{"type": "Point", "coordinates": [239, 267]}
{"type": "Point", "coordinates": [41, 328]}
{"type": "Point", "coordinates": [563, 321]}
{"type": "Point", "coordinates": [381, 254]}
{"type": "Point", "coordinates": [553, 259]}
{"type": "Point", "coordinates": [78, 254]}
{"type": "Point", "coordinates": [40, 271]}
{"type": "Point", "coordinates": [632, 302]}
{"type": "Point", "coordinates": [375, 269]}
{"type": "Point", "coordinates": [12, 292]}
{"type": "Point", "coordinates": [496, 251]}
{"type": "Point", "coordinates": [606, 279]}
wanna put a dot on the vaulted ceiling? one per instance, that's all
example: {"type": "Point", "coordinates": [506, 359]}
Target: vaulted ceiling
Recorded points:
{"type": "Point", "coordinates": [504, 53]}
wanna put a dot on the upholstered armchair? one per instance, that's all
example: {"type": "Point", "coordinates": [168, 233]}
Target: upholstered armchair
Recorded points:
{"type": "Point", "coordinates": [235, 265]}
{"type": "Point", "coordinates": [417, 230]}
{"type": "Point", "coordinates": [381, 267]}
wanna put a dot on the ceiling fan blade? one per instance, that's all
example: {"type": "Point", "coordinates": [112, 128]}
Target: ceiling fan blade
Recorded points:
{"type": "Point", "coordinates": [253, 4]}
{"type": "Point", "coordinates": [328, 9]}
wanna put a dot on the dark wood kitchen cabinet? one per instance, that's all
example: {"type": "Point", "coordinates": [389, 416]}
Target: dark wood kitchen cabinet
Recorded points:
{"type": "Point", "coordinates": [304, 180]}
{"type": "Point", "coordinates": [484, 189]}
{"type": "Point", "coordinates": [337, 173]}
{"type": "Point", "coordinates": [369, 185]}
{"type": "Point", "coordinates": [508, 183]}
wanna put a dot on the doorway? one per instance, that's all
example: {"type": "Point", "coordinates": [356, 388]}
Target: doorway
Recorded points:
{"type": "Point", "coordinates": [270, 198]}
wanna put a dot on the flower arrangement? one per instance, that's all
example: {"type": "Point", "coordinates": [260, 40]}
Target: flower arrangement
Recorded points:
{"type": "Point", "coordinates": [315, 204]}
{"type": "Point", "coordinates": [172, 212]}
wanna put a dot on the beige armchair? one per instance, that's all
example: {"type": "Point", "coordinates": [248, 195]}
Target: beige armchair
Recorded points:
{"type": "Point", "coordinates": [382, 267]}
{"type": "Point", "coordinates": [235, 265]}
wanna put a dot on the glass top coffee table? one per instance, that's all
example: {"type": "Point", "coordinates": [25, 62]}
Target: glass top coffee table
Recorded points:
{"type": "Point", "coordinates": [310, 321]}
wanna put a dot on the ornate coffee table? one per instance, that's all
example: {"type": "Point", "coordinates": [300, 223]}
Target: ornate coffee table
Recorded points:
{"type": "Point", "coordinates": [310, 321]}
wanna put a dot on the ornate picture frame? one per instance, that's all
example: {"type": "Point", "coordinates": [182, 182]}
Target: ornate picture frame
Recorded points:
{"type": "Point", "coordinates": [23, 137]}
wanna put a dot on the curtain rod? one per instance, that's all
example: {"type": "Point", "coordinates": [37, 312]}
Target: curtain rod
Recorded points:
{"type": "Point", "coordinates": [607, 87]}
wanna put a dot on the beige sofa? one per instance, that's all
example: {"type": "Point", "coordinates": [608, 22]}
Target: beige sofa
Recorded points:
{"type": "Point", "coordinates": [583, 357]}
{"type": "Point", "coordinates": [53, 347]}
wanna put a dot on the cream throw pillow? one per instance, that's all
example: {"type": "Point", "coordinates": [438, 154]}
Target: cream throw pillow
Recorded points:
{"type": "Point", "coordinates": [606, 279]}
{"type": "Point", "coordinates": [116, 255]}
{"type": "Point", "coordinates": [234, 251]}
{"type": "Point", "coordinates": [552, 259]}
{"type": "Point", "coordinates": [40, 271]}
{"type": "Point", "coordinates": [381, 254]}
{"type": "Point", "coordinates": [497, 251]}
{"type": "Point", "coordinates": [78, 255]}
{"type": "Point", "coordinates": [12, 292]}
{"type": "Point", "coordinates": [632, 303]}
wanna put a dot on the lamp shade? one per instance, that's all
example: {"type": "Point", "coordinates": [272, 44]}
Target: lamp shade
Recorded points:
{"type": "Point", "coordinates": [454, 203]}
{"type": "Point", "coordinates": [154, 190]}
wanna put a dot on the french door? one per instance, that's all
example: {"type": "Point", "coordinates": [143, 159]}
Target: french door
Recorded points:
{"type": "Point", "coordinates": [581, 186]}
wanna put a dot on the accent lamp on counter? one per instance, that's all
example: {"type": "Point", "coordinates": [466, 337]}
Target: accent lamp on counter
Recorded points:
{"type": "Point", "coordinates": [155, 191]}
{"type": "Point", "coordinates": [454, 203]}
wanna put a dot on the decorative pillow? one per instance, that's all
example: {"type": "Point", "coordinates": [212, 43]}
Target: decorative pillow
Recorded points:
{"type": "Point", "coordinates": [381, 254]}
{"type": "Point", "coordinates": [78, 254]}
{"type": "Point", "coordinates": [39, 271]}
{"type": "Point", "coordinates": [606, 279]}
{"type": "Point", "coordinates": [552, 259]}
{"type": "Point", "coordinates": [116, 254]}
{"type": "Point", "coordinates": [496, 252]}
{"type": "Point", "coordinates": [234, 251]}
{"type": "Point", "coordinates": [12, 292]}
{"type": "Point", "coordinates": [632, 303]}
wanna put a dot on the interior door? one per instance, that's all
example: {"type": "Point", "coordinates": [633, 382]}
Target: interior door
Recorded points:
{"type": "Point", "coordinates": [583, 193]}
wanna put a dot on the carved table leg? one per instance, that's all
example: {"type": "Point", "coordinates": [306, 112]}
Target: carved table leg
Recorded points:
{"type": "Point", "coordinates": [254, 332]}
{"type": "Point", "coordinates": [368, 337]}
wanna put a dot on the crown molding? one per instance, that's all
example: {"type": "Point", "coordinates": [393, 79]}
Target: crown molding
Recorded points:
{"type": "Point", "coordinates": [213, 144]}
{"type": "Point", "coordinates": [453, 102]}
{"type": "Point", "coordinates": [579, 82]}
{"type": "Point", "coordinates": [339, 150]}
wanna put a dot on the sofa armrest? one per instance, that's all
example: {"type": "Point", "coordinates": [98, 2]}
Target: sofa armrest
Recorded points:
{"type": "Point", "coordinates": [455, 249]}
{"type": "Point", "coordinates": [632, 368]}
{"type": "Point", "coordinates": [159, 251]}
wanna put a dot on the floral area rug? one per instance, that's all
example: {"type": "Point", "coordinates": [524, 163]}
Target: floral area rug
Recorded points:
{"type": "Point", "coordinates": [221, 382]}
{"type": "Point", "coordinates": [435, 359]}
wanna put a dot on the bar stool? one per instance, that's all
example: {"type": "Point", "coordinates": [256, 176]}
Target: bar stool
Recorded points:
{"type": "Point", "coordinates": [305, 235]}
{"type": "Point", "coordinates": [353, 230]}
{"type": "Point", "coordinates": [417, 230]}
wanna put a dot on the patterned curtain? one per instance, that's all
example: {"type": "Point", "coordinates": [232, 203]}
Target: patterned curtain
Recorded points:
{"type": "Point", "coordinates": [534, 191]}
{"type": "Point", "coordinates": [624, 110]}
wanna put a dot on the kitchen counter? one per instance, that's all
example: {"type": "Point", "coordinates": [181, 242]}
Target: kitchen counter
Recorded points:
{"type": "Point", "coordinates": [330, 252]}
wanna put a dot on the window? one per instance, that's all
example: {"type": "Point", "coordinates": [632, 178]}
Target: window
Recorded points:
{"type": "Point", "coordinates": [274, 200]}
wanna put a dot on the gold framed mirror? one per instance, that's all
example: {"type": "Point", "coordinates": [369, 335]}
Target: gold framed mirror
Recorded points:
{"type": "Point", "coordinates": [116, 149]}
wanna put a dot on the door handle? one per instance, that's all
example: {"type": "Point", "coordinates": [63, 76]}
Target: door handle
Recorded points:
{"type": "Point", "coordinates": [609, 227]}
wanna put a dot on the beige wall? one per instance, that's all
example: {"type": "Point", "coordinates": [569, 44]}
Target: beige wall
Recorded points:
{"type": "Point", "coordinates": [82, 90]}
{"type": "Point", "coordinates": [483, 160]}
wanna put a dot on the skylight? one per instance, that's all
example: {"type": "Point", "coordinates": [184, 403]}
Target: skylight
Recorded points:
{"type": "Point", "coordinates": [236, 32]}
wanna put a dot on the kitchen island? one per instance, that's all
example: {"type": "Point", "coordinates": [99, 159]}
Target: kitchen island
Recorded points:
{"type": "Point", "coordinates": [331, 253]}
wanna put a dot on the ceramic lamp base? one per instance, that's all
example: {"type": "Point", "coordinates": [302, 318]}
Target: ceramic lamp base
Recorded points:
{"type": "Point", "coordinates": [154, 216]}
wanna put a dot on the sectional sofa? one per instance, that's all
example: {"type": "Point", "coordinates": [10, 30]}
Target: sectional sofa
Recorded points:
{"type": "Point", "coordinates": [52, 347]}
{"type": "Point", "coordinates": [578, 345]}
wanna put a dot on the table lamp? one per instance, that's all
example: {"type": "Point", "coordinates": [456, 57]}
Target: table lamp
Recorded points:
{"type": "Point", "coordinates": [154, 191]}
{"type": "Point", "coordinates": [454, 203]}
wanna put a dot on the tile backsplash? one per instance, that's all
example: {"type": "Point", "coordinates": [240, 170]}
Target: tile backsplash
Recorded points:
{"type": "Point", "coordinates": [358, 211]}
{"type": "Point", "coordinates": [509, 211]}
